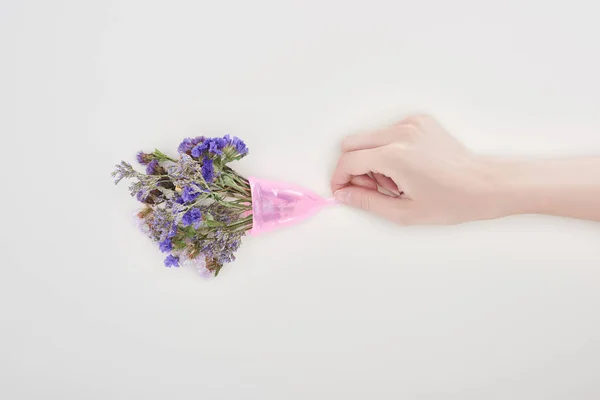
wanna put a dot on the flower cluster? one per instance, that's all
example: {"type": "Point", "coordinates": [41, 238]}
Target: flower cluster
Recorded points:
{"type": "Point", "coordinates": [196, 207]}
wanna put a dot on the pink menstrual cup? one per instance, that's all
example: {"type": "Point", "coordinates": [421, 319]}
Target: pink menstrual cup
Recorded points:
{"type": "Point", "coordinates": [279, 204]}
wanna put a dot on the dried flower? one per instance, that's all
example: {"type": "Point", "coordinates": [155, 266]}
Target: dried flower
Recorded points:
{"type": "Point", "coordinates": [191, 217]}
{"type": "Point", "coordinates": [166, 245]}
{"type": "Point", "coordinates": [144, 158]}
{"type": "Point", "coordinates": [154, 168]}
{"type": "Point", "coordinates": [198, 208]}
{"type": "Point", "coordinates": [208, 170]}
{"type": "Point", "coordinates": [189, 194]}
{"type": "Point", "coordinates": [239, 145]}
{"type": "Point", "coordinates": [171, 261]}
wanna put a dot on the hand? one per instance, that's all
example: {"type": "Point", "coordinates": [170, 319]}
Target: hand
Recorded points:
{"type": "Point", "coordinates": [414, 172]}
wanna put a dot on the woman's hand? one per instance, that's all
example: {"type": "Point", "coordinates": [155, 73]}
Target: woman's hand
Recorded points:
{"type": "Point", "coordinates": [426, 176]}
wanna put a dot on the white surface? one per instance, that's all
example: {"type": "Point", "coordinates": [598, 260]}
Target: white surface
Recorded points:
{"type": "Point", "coordinates": [343, 306]}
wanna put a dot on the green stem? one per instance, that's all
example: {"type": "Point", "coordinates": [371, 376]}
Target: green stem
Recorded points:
{"type": "Point", "coordinates": [244, 221]}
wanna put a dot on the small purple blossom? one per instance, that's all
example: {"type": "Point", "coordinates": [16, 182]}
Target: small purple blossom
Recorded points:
{"type": "Point", "coordinates": [192, 217]}
{"type": "Point", "coordinates": [185, 146]}
{"type": "Point", "coordinates": [172, 232]}
{"type": "Point", "coordinates": [198, 139]}
{"type": "Point", "coordinates": [188, 144]}
{"type": "Point", "coordinates": [171, 261]}
{"type": "Point", "coordinates": [239, 145]}
{"type": "Point", "coordinates": [153, 168]}
{"type": "Point", "coordinates": [166, 245]}
{"type": "Point", "coordinates": [213, 145]}
{"type": "Point", "coordinates": [178, 200]}
{"type": "Point", "coordinates": [208, 170]}
{"type": "Point", "coordinates": [144, 158]}
{"type": "Point", "coordinates": [189, 194]}
{"type": "Point", "coordinates": [201, 148]}
{"type": "Point", "coordinates": [141, 196]}
{"type": "Point", "coordinates": [216, 146]}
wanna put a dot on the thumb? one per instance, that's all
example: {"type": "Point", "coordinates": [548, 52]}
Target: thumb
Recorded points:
{"type": "Point", "coordinates": [388, 207]}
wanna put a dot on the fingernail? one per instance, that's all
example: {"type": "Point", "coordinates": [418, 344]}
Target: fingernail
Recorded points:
{"type": "Point", "coordinates": [341, 196]}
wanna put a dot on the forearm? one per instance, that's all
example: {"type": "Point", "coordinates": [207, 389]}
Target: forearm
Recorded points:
{"type": "Point", "coordinates": [568, 187]}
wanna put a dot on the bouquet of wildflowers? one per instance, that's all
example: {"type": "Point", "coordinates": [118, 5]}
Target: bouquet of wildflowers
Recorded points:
{"type": "Point", "coordinates": [197, 208]}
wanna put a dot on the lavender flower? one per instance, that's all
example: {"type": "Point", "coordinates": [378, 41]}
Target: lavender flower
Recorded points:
{"type": "Point", "coordinates": [198, 150]}
{"type": "Point", "coordinates": [153, 168]}
{"type": "Point", "coordinates": [213, 146]}
{"type": "Point", "coordinates": [189, 143]}
{"type": "Point", "coordinates": [125, 170]}
{"type": "Point", "coordinates": [171, 261]}
{"type": "Point", "coordinates": [192, 217]}
{"type": "Point", "coordinates": [198, 139]}
{"type": "Point", "coordinates": [161, 223]}
{"type": "Point", "coordinates": [185, 146]}
{"type": "Point", "coordinates": [144, 158]}
{"type": "Point", "coordinates": [189, 194]}
{"type": "Point", "coordinates": [208, 169]}
{"type": "Point", "coordinates": [216, 146]}
{"type": "Point", "coordinates": [166, 245]}
{"type": "Point", "coordinates": [141, 196]}
{"type": "Point", "coordinates": [239, 145]}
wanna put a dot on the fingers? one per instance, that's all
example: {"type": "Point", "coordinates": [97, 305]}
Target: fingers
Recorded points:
{"type": "Point", "coordinates": [364, 181]}
{"type": "Point", "coordinates": [387, 183]}
{"type": "Point", "coordinates": [357, 163]}
{"type": "Point", "coordinates": [376, 182]}
{"type": "Point", "coordinates": [390, 208]}
{"type": "Point", "coordinates": [380, 138]}
{"type": "Point", "coordinates": [397, 132]}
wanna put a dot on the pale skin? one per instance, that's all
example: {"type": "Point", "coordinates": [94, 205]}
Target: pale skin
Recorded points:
{"type": "Point", "coordinates": [415, 172]}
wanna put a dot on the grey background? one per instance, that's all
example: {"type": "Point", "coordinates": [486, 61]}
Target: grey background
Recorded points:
{"type": "Point", "coordinates": [342, 306]}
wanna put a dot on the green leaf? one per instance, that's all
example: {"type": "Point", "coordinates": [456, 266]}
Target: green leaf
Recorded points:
{"type": "Point", "coordinates": [162, 156]}
{"type": "Point", "coordinates": [189, 231]}
{"type": "Point", "coordinates": [217, 269]}
{"type": "Point", "coordinates": [179, 245]}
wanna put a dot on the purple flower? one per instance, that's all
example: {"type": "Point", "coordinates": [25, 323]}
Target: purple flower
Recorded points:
{"type": "Point", "coordinates": [141, 196]}
{"type": "Point", "coordinates": [239, 145]}
{"type": "Point", "coordinates": [208, 170]}
{"type": "Point", "coordinates": [198, 139]}
{"type": "Point", "coordinates": [172, 232]}
{"type": "Point", "coordinates": [185, 146]}
{"type": "Point", "coordinates": [144, 158]}
{"type": "Point", "coordinates": [216, 146]}
{"type": "Point", "coordinates": [201, 148]}
{"type": "Point", "coordinates": [189, 194]}
{"type": "Point", "coordinates": [166, 245]}
{"type": "Point", "coordinates": [188, 144]}
{"type": "Point", "coordinates": [191, 217]}
{"type": "Point", "coordinates": [178, 200]}
{"type": "Point", "coordinates": [171, 261]}
{"type": "Point", "coordinates": [153, 168]}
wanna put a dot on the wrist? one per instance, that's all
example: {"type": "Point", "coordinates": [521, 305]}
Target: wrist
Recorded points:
{"type": "Point", "coordinates": [512, 187]}
{"type": "Point", "coordinates": [568, 187]}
